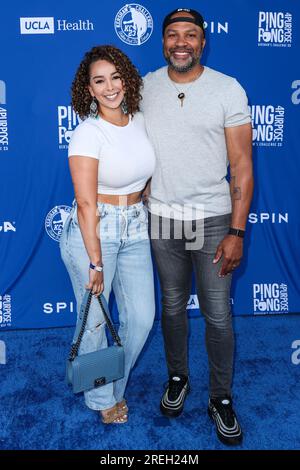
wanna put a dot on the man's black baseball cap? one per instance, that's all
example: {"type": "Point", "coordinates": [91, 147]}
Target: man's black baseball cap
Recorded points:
{"type": "Point", "coordinates": [197, 18]}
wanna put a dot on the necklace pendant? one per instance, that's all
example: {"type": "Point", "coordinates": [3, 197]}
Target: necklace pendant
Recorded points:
{"type": "Point", "coordinates": [181, 96]}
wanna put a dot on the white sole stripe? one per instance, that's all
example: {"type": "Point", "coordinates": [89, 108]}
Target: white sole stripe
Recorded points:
{"type": "Point", "coordinates": [178, 402]}
{"type": "Point", "coordinates": [234, 431]}
{"type": "Point", "coordinates": [229, 432]}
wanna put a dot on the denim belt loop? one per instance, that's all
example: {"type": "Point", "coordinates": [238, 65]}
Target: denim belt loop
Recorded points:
{"type": "Point", "coordinates": [124, 213]}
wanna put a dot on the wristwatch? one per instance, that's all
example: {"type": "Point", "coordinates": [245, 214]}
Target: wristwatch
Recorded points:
{"type": "Point", "coordinates": [96, 268]}
{"type": "Point", "coordinates": [237, 232]}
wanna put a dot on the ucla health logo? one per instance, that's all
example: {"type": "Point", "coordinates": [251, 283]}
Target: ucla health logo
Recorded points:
{"type": "Point", "coordinates": [55, 221]}
{"type": "Point", "coordinates": [3, 118]}
{"type": "Point", "coordinates": [67, 121]}
{"type": "Point", "coordinates": [46, 25]}
{"type": "Point", "coordinates": [134, 24]}
{"type": "Point", "coordinates": [5, 311]}
{"type": "Point", "coordinates": [270, 298]}
{"type": "Point", "coordinates": [274, 29]}
{"type": "Point", "coordinates": [268, 125]}
{"type": "Point", "coordinates": [7, 226]}
{"type": "Point", "coordinates": [37, 25]}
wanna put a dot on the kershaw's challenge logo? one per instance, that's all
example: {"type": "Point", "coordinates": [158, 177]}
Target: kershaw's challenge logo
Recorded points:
{"type": "Point", "coordinates": [55, 221]}
{"type": "Point", "coordinates": [133, 24]}
{"type": "Point", "coordinates": [274, 29]}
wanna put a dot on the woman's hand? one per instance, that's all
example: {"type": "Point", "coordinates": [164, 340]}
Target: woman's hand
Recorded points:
{"type": "Point", "coordinates": [96, 284]}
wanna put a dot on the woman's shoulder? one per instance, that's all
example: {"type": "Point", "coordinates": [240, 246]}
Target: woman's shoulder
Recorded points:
{"type": "Point", "coordinates": [88, 128]}
{"type": "Point", "coordinates": [87, 125]}
{"type": "Point", "coordinates": [86, 139]}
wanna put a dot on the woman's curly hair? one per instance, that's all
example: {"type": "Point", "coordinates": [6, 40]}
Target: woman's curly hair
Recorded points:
{"type": "Point", "coordinates": [132, 81]}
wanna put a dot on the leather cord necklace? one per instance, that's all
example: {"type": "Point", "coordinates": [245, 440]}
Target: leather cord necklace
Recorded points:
{"type": "Point", "coordinates": [182, 95]}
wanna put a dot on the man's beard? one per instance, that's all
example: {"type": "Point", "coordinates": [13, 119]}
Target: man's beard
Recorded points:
{"type": "Point", "coordinates": [182, 68]}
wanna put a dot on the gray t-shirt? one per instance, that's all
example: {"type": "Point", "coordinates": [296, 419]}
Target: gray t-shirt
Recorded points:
{"type": "Point", "coordinates": [189, 141]}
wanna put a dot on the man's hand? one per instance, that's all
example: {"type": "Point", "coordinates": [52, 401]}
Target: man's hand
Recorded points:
{"type": "Point", "coordinates": [231, 250]}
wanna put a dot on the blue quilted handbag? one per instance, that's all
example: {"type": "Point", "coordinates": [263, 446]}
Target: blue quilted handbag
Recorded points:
{"type": "Point", "coordinates": [97, 368]}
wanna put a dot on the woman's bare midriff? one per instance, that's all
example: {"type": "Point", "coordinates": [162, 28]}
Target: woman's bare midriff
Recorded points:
{"type": "Point", "coordinates": [117, 200]}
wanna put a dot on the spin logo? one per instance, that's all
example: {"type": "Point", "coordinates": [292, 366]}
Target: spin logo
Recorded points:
{"type": "Point", "coordinates": [216, 27]}
{"type": "Point", "coordinates": [5, 311]}
{"type": "Point", "coordinates": [268, 125]}
{"type": "Point", "coordinates": [3, 118]}
{"type": "Point", "coordinates": [270, 298]}
{"type": "Point", "coordinates": [275, 29]}
{"type": "Point", "coordinates": [58, 307]}
{"type": "Point", "coordinates": [268, 217]}
{"type": "Point", "coordinates": [67, 121]}
{"type": "Point", "coordinates": [133, 24]}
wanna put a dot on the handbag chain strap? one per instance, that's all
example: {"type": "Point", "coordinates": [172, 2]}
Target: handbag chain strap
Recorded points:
{"type": "Point", "coordinates": [115, 336]}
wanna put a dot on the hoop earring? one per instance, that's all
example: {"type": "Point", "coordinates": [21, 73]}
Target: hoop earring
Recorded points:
{"type": "Point", "coordinates": [94, 108]}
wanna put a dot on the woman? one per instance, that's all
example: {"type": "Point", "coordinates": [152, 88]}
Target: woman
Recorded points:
{"type": "Point", "coordinates": [105, 242]}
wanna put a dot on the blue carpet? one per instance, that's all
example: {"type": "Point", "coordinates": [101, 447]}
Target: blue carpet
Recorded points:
{"type": "Point", "coordinates": [38, 411]}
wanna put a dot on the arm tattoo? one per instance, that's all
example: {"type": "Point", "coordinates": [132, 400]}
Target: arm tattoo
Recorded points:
{"type": "Point", "coordinates": [235, 190]}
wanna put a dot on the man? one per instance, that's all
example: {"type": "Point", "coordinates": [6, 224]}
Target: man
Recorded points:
{"type": "Point", "coordinates": [198, 121]}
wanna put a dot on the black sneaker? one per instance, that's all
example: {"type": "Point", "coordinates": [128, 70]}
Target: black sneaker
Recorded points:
{"type": "Point", "coordinates": [172, 402]}
{"type": "Point", "coordinates": [228, 429]}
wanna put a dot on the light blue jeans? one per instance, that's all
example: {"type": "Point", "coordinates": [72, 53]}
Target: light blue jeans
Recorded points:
{"type": "Point", "coordinates": [128, 270]}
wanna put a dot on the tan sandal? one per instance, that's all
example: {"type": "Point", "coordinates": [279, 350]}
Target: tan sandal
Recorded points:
{"type": "Point", "coordinates": [113, 416]}
{"type": "Point", "coordinates": [123, 408]}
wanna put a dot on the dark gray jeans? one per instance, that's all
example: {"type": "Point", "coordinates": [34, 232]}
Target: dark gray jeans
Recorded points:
{"type": "Point", "coordinates": [175, 264]}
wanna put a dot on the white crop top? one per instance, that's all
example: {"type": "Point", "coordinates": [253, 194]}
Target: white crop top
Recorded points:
{"type": "Point", "coordinates": [126, 156]}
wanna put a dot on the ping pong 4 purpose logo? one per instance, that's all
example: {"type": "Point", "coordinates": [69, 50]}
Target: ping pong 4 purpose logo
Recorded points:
{"type": "Point", "coordinates": [270, 298]}
{"type": "Point", "coordinates": [275, 29]}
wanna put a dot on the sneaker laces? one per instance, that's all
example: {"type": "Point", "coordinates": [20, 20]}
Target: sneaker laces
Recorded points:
{"type": "Point", "coordinates": [224, 407]}
{"type": "Point", "coordinates": [175, 387]}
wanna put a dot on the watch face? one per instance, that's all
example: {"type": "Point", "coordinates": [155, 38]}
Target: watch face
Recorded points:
{"type": "Point", "coordinates": [96, 268]}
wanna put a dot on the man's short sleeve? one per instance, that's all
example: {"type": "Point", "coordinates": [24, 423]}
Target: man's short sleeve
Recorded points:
{"type": "Point", "coordinates": [144, 90]}
{"type": "Point", "coordinates": [85, 141]}
{"type": "Point", "coordinates": [236, 109]}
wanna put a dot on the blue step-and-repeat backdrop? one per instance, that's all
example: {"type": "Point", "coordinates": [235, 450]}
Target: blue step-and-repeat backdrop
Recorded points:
{"type": "Point", "coordinates": [42, 43]}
